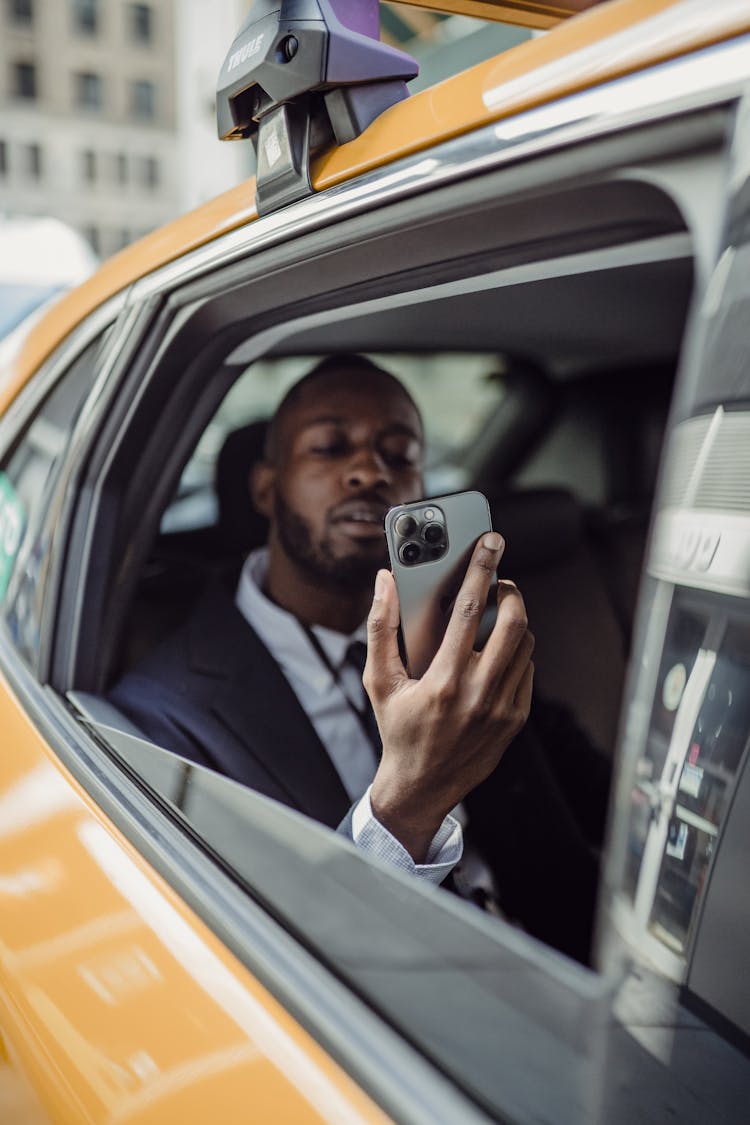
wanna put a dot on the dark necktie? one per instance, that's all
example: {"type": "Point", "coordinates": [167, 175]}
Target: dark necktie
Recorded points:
{"type": "Point", "coordinates": [356, 655]}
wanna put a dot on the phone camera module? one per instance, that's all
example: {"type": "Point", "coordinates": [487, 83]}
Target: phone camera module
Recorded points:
{"type": "Point", "coordinates": [406, 525]}
{"type": "Point", "coordinates": [433, 533]}
{"type": "Point", "coordinates": [409, 553]}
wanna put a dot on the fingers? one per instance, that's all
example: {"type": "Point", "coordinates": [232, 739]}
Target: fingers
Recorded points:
{"type": "Point", "coordinates": [511, 687]}
{"type": "Point", "coordinates": [523, 693]}
{"type": "Point", "coordinates": [471, 600]}
{"type": "Point", "coordinates": [508, 633]}
{"type": "Point", "coordinates": [384, 671]}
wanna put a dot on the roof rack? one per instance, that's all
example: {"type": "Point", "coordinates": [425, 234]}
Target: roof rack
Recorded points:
{"type": "Point", "coordinates": [302, 75]}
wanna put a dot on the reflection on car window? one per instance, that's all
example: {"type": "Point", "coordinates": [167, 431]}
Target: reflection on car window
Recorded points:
{"type": "Point", "coordinates": [27, 490]}
{"type": "Point", "coordinates": [418, 956]}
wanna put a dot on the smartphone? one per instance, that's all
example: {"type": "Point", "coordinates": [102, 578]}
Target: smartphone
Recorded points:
{"type": "Point", "coordinates": [430, 543]}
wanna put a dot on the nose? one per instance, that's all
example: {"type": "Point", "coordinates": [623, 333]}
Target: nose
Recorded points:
{"type": "Point", "coordinates": [367, 469]}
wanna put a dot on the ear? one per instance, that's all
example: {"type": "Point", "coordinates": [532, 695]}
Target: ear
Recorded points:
{"type": "Point", "coordinates": [262, 484]}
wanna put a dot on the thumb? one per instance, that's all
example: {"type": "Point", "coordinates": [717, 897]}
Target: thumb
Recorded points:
{"type": "Point", "coordinates": [384, 671]}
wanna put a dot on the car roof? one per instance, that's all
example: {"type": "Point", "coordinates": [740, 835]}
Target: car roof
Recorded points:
{"type": "Point", "coordinates": [527, 13]}
{"type": "Point", "coordinates": [608, 41]}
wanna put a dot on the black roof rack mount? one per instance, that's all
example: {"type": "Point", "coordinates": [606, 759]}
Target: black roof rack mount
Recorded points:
{"type": "Point", "coordinates": [300, 76]}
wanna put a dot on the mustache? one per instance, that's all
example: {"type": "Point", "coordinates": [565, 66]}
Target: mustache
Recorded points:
{"type": "Point", "coordinates": [373, 501]}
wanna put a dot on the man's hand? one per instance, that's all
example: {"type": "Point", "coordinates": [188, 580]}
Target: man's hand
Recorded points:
{"type": "Point", "coordinates": [445, 733]}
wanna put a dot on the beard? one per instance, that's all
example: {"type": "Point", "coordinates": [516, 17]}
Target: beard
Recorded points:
{"type": "Point", "coordinates": [354, 572]}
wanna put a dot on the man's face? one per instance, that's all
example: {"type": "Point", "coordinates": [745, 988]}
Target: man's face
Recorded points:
{"type": "Point", "coordinates": [348, 449]}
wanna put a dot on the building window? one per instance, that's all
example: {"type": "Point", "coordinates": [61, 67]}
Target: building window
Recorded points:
{"type": "Point", "coordinates": [150, 171]}
{"type": "Point", "coordinates": [3, 158]}
{"type": "Point", "coordinates": [91, 234]}
{"type": "Point", "coordinates": [88, 90]}
{"type": "Point", "coordinates": [141, 23]}
{"type": "Point", "coordinates": [88, 165]}
{"type": "Point", "coordinates": [86, 16]}
{"type": "Point", "coordinates": [24, 80]}
{"type": "Point", "coordinates": [143, 99]}
{"type": "Point", "coordinates": [34, 161]}
{"type": "Point", "coordinates": [21, 11]}
{"type": "Point", "coordinates": [121, 168]}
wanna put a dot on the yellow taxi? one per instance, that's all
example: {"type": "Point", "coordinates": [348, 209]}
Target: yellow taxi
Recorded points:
{"type": "Point", "coordinates": [552, 250]}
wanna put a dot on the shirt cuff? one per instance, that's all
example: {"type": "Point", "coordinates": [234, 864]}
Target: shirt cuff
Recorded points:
{"type": "Point", "coordinates": [372, 837]}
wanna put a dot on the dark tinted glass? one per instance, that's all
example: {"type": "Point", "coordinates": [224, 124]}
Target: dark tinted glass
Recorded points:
{"type": "Point", "coordinates": [29, 499]}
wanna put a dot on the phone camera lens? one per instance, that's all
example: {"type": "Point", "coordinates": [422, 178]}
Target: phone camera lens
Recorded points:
{"type": "Point", "coordinates": [409, 553]}
{"type": "Point", "coordinates": [405, 526]}
{"type": "Point", "coordinates": [433, 533]}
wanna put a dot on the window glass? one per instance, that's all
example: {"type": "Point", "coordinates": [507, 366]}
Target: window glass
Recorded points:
{"type": "Point", "coordinates": [28, 479]}
{"type": "Point", "coordinates": [34, 161]}
{"type": "Point", "coordinates": [141, 23]}
{"type": "Point", "coordinates": [143, 99]}
{"type": "Point", "coordinates": [24, 80]}
{"type": "Point", "coordinates": [88, 165]}
{"type": "Point", "coordinates": [150, 171]}
{"type": "Point", "coordinates": [21, 11]}
{"type": "Point", "coordinates": [88, 89]}
{"type": "Point", "coordinates": [85, 15]}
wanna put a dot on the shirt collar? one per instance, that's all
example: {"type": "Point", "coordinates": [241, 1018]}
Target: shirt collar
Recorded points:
{"type": "Point", "coordinates": [281, 632]}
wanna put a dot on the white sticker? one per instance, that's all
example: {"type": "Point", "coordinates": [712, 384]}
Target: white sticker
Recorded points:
{"type": "Point", "coordinates": [673, 687]}
{"type": "Point", "coordinates": [676, 849]}
{"type": "Point", "coordinates": [691, 779]}
{"type": "Point", "coordinates": [272, 147]}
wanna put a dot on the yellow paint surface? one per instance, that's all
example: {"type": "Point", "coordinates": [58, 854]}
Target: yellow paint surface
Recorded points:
{"type": "Point", "coordinates": [117, 1004]}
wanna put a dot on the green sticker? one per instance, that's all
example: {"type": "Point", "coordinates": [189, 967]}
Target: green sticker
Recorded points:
{"type": "Point", "coordinates": [12, 520]}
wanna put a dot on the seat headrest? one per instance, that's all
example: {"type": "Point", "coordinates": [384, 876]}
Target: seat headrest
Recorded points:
{"type": "Point", "coordinates": [541, 526]}
{"type": "Point", "coordinates": [240, 525]}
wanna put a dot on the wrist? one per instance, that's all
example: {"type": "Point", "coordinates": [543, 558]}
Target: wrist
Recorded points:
{"type": "Point", "coordinates": [408, 820]}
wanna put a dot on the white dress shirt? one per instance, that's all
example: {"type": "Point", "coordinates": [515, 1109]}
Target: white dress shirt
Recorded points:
{"type": "Point", "coordinates": [323, 693]}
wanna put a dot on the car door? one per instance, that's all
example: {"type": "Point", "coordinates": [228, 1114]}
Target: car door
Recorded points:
{"type": "Point", "coordinates": [688, 783]}
{"type": "Point", "coordinates": [114, 998]}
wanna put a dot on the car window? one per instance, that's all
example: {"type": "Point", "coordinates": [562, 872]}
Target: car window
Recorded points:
{"type": "Point", "coordinates": [29, 475]}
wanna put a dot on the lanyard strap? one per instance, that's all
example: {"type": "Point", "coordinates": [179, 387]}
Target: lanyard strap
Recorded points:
{"type": "Point", "coordinates": [365, 716]}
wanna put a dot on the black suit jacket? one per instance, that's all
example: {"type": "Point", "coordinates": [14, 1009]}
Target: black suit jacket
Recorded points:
{"type": "Point", "coordinates": [213, 693]}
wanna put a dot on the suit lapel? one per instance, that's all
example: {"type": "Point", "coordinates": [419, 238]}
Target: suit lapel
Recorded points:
{"type": "Point", "coordinates": [254, 701]}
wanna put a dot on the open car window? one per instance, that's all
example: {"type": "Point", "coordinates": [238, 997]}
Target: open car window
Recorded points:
{"type": "Point", "coordinates": [456, 394]}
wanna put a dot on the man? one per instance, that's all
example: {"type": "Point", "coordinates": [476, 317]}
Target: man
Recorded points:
{"type": "Point", "coordinates": [262, 689]}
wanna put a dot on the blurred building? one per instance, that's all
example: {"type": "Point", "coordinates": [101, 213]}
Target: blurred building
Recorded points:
{"type": "Point", "coordinates": [107, 117]}
{"type": "Point", "coordinates": [99, 102]}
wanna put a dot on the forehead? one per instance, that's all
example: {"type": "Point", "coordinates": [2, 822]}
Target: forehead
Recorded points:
{"type": "Point", "coordinates": [372, 397]}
